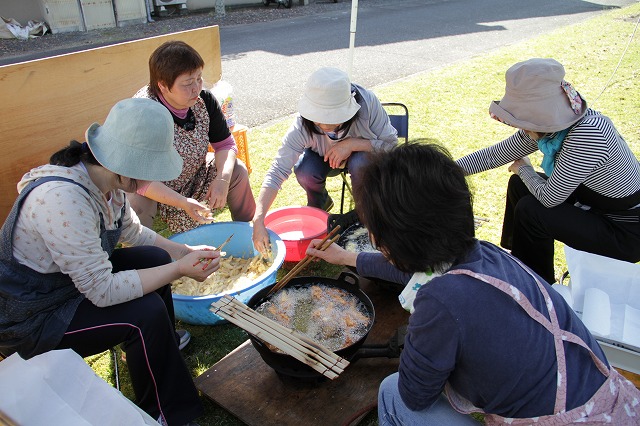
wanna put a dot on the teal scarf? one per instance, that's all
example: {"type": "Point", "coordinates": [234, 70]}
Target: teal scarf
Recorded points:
{"type": "Point", "coordinates": [549, 146]}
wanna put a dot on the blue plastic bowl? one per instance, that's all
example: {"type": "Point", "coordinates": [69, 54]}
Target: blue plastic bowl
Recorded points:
{"type": "Point", "coordinates": [195, 309]}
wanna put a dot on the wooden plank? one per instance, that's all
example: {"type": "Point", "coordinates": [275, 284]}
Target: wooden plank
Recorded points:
{"type": "Point", "coordinates": [248, 388]}
{"type": "Point", "coordinates": [48, 102]}
{"type": "Point", "coordinates": [632, 377]}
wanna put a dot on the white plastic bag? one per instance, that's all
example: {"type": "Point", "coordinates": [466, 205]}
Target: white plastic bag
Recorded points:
{"type": "Point", "coordinates": [606, 294]}
{"type": "Point", "coordinates": [11, 28]}
{"type": "Point", "coordinates": [223, 92]}
{"type": "Point", "coordinates": [58, 387]}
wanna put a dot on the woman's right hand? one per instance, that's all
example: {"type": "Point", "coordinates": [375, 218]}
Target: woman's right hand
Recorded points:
{"type": "Point", "coordinates": [197, 211]}
{"type": "Point", "coordinates": [261, 237]}
{"type": "Point", "coordinates": [515, 166]}
{"type": "Point", "coordinates": [334, 254]}
{"type": "Point", "coordinates": [199, 264]}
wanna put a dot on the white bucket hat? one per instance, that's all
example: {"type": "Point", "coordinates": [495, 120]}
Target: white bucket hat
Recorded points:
{"type": "Point", "coordinates": [136, 141]}
{"type": "Point", "coordinates": [537, 98]}
{"type": "Point", "coordinates": [327, 97]}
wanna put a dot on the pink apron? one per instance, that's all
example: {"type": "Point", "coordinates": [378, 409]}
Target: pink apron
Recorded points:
{"type": "Point", "coordinates": [616, 402]}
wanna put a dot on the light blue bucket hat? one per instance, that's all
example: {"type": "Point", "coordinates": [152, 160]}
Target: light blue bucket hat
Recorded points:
{"type": "Point", "coordinates": [136, 141]}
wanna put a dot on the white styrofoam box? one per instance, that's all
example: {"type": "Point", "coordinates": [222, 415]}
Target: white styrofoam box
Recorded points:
{"type": "Point", "coordinates": [618, 354]}
{"type": "Point", "coordinates": [621, 357]}
{"type": "Point", "coordinates": [596, 313]}
{"type": "Point", "coordinates": [605, 293]}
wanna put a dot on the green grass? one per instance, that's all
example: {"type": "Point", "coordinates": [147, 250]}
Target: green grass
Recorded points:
{"type": "Point", "coordinates": [449, 106]}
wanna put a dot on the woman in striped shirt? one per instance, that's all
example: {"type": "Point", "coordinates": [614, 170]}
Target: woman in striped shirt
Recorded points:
{"type": "Point", "coordinates": [589, 195]}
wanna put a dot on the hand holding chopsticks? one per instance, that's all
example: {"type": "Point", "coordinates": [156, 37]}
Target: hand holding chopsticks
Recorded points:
{"type": "Point", "coordinates": [331, 238]}
{"type": "Point", "coordinates": [208, 261]}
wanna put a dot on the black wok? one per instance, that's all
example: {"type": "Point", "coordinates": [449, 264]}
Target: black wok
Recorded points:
{"type": "Point", "coordinates": [287, 365]}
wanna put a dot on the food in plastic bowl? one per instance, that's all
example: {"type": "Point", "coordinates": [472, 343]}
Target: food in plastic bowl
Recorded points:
{"type": "Point", "coordinates": [297, 226]}
{"type": "Point", "coordinates": [195, 309]}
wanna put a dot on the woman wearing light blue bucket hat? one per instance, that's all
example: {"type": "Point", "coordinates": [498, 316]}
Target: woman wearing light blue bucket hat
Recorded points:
{"type": "Point", "coordinates": [65, 282]}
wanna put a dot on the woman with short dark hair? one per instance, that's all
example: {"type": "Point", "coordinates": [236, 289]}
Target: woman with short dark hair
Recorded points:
{"type": "Point", "coordinates": [208, 180]}
{"type": "Point", "coordinates": [488, 335]}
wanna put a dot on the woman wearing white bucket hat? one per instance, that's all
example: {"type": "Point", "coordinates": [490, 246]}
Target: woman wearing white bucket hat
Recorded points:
{"type": "Point", "coordinates": [63, 282]}
{"type": "Point", "coordinates": [338, 123]}
{"type": "Point", "coordinates": [589, 194]}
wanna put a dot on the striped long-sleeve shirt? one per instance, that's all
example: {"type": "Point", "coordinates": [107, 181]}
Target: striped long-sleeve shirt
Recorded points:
{"type": "Point", "coordinates": [593, 154]}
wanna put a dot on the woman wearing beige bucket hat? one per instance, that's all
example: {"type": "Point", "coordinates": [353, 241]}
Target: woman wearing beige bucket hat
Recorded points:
{"type": "Point", "coordinates": [338, 123]}
{"type": "Point", "coordinates": [65, 284]}
{"type": "Point", "coordinates": [589, 194]}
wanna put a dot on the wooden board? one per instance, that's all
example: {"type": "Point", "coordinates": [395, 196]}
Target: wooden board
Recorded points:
{"type": "Point", "coordinates": [48, 102]}
{"type": "Point", "coordinates": [632, 377]}
{"type": "Point", "coordinates": [248, 388]}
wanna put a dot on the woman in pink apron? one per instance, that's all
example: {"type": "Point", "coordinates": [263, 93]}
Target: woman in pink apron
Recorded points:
{"type": "Point", "coordinates": [488, 335]}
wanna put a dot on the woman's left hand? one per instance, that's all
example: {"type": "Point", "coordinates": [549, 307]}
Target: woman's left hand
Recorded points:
{"type": "Point", "coordinates": [199, 264]}
{"type": "Point", "coordinates": [217, 193]}
{"type": "Point", "coordinates": [515, 166]}
{"type": "Point", "coordinates": [338, 154]}
{"type": "Point", "coordinates": [183, 249]}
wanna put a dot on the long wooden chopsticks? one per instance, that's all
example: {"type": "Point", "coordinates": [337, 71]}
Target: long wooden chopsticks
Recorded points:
{"type": "Point", "coordinates": [300, 347]}
{"type": "Point", "coordinates": [208, 261]}
{"type": "Point", "coordinates": [331, 238]}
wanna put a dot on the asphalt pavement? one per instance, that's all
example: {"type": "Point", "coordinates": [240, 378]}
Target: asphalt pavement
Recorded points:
{"type": "Point", "coordinates": [267, 63]}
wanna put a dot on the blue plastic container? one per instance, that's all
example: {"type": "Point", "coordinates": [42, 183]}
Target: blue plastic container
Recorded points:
{"type": "Point", "coordinates": [195, 309]}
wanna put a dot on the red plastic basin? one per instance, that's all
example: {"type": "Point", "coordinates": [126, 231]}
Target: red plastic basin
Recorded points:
{"type": "Point", "coordinates": [297, 226]}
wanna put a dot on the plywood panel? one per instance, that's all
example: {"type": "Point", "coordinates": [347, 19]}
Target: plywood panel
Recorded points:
{"type": "Point", "coordinates": [48, 102]}
{"type": "Point", "coordinates": [244, 385]}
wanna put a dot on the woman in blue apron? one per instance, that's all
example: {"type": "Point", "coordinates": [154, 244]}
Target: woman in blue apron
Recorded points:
{"type": "Point", "coordinates": [66, 283]}
{"type": "Point", "coordinates": [487, 334]}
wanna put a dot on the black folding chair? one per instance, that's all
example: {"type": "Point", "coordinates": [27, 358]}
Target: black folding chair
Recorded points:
{"type": "Point", "coordinates": [399, 116]}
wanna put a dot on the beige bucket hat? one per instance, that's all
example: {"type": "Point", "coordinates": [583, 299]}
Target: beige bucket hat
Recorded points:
{"type": "Point", "coordinates": [136, 141]}
{"type": "Point", "coordinates": [327, 97]}
{"type": "Point", "coordinates": [537, 98]}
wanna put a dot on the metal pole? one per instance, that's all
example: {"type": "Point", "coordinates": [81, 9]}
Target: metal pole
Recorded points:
{"type": "Point", "coordinates": [148, 7]}
{"type": "Point", "coordinates": [352, 34]}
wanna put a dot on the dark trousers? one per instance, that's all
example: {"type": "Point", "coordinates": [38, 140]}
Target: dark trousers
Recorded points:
{"type": "Point", "coordinates": [312, 171]}
{"type": "Point", "coordinates": [529, 230]}
{"type": "Point", "coordinates": [144, 327]}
